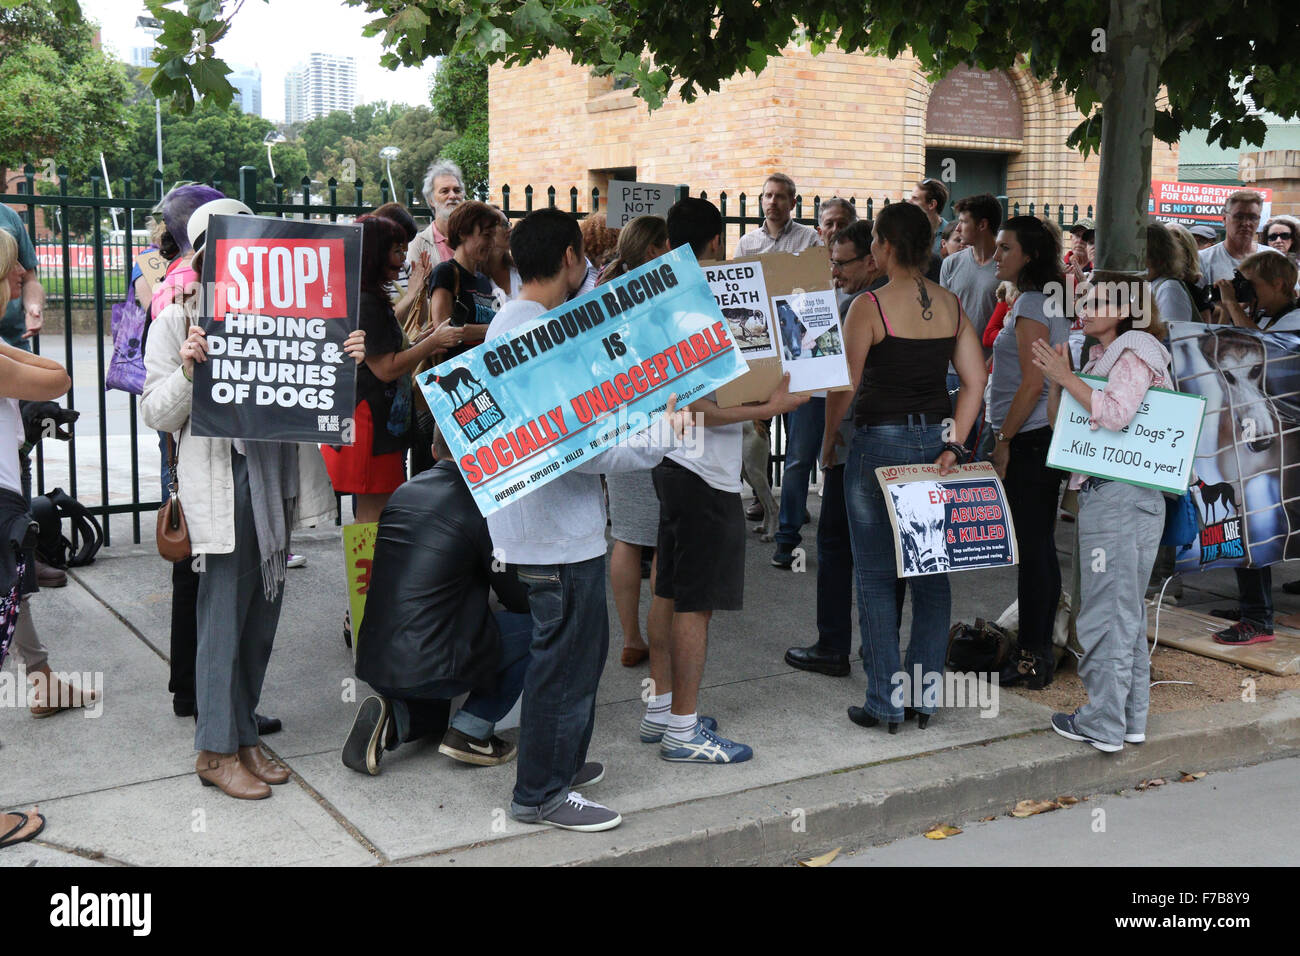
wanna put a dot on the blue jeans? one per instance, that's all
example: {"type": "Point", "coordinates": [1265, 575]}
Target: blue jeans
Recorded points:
{"type": "Point", "coordinates": [835, 569]}
{"type": "Point", "coordinates": [422, 713]}
{"type": "Point", "coordinates": [570, 641]}
{"type": "Point", "coordinates": [803, 441]}
{"type": "Point", "coordinates": [873, 560]}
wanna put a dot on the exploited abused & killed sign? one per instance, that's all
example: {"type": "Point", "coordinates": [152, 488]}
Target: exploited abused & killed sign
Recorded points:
{"type": "Point", "coordinates": [280, 299]}
{"type": "Point", "coordinates": [549, 395]}
{"type": "Point", "coordinates": [942, 523]}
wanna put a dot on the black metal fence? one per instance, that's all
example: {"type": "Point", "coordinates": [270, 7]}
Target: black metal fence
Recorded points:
{"type": "Point", "coordinates": [88, 275]}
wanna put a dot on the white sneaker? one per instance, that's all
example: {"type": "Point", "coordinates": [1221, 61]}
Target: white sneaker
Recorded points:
{"type": "Point", "coordinates": [296, 561]}
{"type": "Point", "coordinates": [1135, 738]}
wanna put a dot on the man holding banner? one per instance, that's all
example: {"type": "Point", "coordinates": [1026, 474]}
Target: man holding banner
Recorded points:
{"type": "Point", "coordinates": [555, 532]}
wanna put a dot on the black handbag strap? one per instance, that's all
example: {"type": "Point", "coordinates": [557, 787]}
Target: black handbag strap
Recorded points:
{"type": "Point", "coordinates": [173, 479]}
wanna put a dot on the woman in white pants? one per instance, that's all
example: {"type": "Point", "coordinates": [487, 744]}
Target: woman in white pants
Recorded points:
{"type": "Point", "coordinates": [1119, 524]}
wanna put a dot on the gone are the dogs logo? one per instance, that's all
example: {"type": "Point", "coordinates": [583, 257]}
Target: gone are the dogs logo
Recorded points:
{"type": "Point", "coordinates": [475, 409]}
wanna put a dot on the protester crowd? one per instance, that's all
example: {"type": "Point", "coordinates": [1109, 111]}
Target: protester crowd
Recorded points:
{"type": "Point", "coordinates": [956, 354]}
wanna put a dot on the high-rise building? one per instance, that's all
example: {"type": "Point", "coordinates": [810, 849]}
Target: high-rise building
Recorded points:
{"type": "Point", "coordinates": [247, 81]}
{"type": "Point", "coordinates": [321, 85]}
{"type": "Point", "coordinates": [141, 56]}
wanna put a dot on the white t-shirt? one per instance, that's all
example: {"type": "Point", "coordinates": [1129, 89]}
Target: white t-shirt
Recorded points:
{"type": "Point", "coordinates": [1173, 301]}
{"type": "Point", "coordinates": [11, 439]}
{"type": "Point", "coordinates": [716, 457]}
{"type": "Point", "coordinates": [1216, 264]}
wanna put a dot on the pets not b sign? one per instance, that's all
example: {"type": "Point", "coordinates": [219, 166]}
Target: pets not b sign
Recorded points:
{"type": "Point", "coordinates": [547, 395]}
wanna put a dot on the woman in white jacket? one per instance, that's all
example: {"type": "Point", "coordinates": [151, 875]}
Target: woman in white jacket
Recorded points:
{"type": "Point", "coordinates": [241, 500]}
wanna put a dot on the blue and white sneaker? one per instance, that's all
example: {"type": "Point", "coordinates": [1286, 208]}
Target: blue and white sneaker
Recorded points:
{"type": "Point", "coordinates": [704, 747]}
{"type": "Point", "coordinates": [652, 733]}
{"type": "Point", "coordinates": [1064, 725]}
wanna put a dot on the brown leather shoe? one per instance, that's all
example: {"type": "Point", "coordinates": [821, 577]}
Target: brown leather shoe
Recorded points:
{"type": "Point", "coordinates": [261, 766]}
{"type": "Point", "coordinates": [227, 773]}
{"type": "Point", "coordinates": [48, 577]}
{"type": "Point", "coordinates": [51, 696]}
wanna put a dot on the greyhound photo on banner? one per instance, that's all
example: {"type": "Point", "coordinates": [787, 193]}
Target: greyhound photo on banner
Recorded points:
{"type": "Point", "coordinates": [280, 298]}
{"type": "Point", "coordinates": [812, 343]}
{"type": "Point", "coordinates": [522, 409]}
{"type": "Point", "coordinates": [1247, 463]}
{"type": "Point", "coordinates": [942, 523]}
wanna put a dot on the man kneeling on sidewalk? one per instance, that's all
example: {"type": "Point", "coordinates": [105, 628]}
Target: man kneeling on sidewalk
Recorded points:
{"type": "Point", "coordinates": [429, 635]}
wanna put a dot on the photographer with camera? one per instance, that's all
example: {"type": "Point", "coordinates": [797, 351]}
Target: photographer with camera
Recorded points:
{"type": "Point", "coordinates": [1241, 213]}
{"type": "Point", "coordinates": [1261, 294]}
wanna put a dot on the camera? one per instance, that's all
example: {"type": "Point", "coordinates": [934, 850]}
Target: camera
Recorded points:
{"type": "Point", "coordinates": [1242, 288]}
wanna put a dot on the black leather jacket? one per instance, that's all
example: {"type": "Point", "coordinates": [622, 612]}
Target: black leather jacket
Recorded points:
{"type": "Point", "coordinates": [427, 615]}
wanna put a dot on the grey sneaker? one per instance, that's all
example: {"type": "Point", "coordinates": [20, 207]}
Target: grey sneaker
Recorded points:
{"type": "Point", "coordinates": [576, 813]}
{"type": "Point", "coordinates": [589, 773]}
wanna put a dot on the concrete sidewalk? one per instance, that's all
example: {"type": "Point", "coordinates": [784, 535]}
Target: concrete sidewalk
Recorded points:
{"type": "Point", "coordinates": [120, 788]}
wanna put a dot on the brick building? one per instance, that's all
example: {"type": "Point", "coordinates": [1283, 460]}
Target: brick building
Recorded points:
{"type": "Point", "coordinates": [840, 124]}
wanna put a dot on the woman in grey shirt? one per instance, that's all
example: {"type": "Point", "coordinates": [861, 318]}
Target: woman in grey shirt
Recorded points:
{"type": "Point", "coordinates": [1030, 256]}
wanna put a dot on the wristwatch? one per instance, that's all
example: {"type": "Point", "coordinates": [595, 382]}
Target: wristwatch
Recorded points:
{"type": "Point", "coordinates": [1003, 436]}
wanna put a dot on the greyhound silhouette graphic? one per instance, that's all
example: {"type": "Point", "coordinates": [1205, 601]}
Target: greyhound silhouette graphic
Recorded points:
{"type": "Point", "coordinates": [1212, 494]}
{"type": "Point", "coordinates": [453, 381]}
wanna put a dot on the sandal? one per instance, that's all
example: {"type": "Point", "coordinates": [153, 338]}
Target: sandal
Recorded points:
{"type": "Point", "coordinates": [9, 840]}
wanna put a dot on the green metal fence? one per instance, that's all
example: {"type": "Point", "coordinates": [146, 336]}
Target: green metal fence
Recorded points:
{"type": "Point", "coordinates": [88, 275]}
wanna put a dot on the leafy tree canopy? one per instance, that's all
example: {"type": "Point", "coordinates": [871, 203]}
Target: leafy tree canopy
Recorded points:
{"type": "Point", "coordinates": [1207, 50]}
{"type": "Point", "coordinates": [62, 97]}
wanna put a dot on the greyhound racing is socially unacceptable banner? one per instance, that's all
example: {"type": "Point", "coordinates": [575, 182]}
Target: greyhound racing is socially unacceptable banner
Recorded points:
{"type": "Point", "coordinates": [1247, 465]}
{"type": "Point", "coordinates": [280, 298]}
{"type": "Point", "coordinates": [522, 409]}
{"type": "Point", "coordinates": [942, 523]}
{"type": "Point", "coordinates": [1154, 450]}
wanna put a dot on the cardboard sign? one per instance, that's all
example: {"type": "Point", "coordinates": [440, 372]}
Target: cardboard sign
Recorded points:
{"type": "Point", "coordinates": [550, 395]}
{"type": "Point", "coordinates": [152, 267]}
{"type": "Point", "coordinates": [784, 276]}
{"type": "Point", "coordinates": [1247, 465]}
{"type": "Point", "coordinates": [1191, 204]}
{"type": "Point", "coordinates": [280, 299]}
{"type": "Point", "coordinates": [957, 522]}
{"type": "Point", "coordinates": [1154, 450]}
{"type": "Point", "coordinates": [358, 557]}
{"type": "Point", "coordinates": [627, 200]}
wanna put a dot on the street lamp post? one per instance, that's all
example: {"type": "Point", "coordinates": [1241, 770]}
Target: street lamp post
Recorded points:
{"type": "Point", "coordinates": [388, 154]}
{"type": "Point", "coordinates": [273, 138]}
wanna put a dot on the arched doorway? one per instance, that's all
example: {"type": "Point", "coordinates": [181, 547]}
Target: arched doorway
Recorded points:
{"type": "Point", "coordinates": [974, 123]}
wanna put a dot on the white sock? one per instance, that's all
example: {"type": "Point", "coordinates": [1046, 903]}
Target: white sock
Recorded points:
{"type": "Point", "coordinates": [681, 726]}
{"type": "Point", "coordinates": [656, 708]}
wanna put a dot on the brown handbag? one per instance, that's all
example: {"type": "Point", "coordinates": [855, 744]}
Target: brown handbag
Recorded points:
{"type": "Point", "coordinates": [173, 532]}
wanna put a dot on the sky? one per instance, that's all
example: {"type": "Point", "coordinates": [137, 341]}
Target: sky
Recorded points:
{"type": "Point", "coordinates": [276, 36]}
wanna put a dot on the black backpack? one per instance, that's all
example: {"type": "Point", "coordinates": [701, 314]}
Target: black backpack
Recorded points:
{"type": "Point", "coordinates": [52, 546]}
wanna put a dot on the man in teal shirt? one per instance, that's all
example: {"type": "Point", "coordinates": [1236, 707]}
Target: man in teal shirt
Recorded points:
{"type": "Point", "coordinates": [24, 315]}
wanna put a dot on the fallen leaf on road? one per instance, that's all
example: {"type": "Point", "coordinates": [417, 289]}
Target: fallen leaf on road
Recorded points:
{"type": "Point", "coordinates": [821, 860]}
{"type": "Point", "coordinates": [987, 819]}
{"type": "Point", "coordinates": [1191, 777]}
{"type": "Point", "coordinates": [1154, 782]}
{"type": "Point", "coordinates": [1067, 801]}
{"type": "Point", "coordinates": [1029, 808]}
{"type": "Point", "coordinates": [942, 832]}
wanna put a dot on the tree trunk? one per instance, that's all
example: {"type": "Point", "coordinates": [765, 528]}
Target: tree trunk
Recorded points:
{"type": "Point", "coordinates": [1134, 36]}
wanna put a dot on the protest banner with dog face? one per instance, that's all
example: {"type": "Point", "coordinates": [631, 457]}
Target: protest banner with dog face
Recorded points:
{"type": "Point", "coordinates": [280, 297]}
{"type": "Point", "coordinates": [942, 523]}
{"type": "Point", "coordinates": [524, 408]}
{"type": "Point", "coordinates": [1247, 461]}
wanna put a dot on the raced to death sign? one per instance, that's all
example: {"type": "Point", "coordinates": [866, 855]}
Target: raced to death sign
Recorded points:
{"type": "Point", "coordinates": [942, 523]}
{"type": "Point", "coordinates": [280, 299]}
{"type": "Point", "coordinates": [1154, 450]}
{"type": "Point", "coordinates": [551, 394]}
